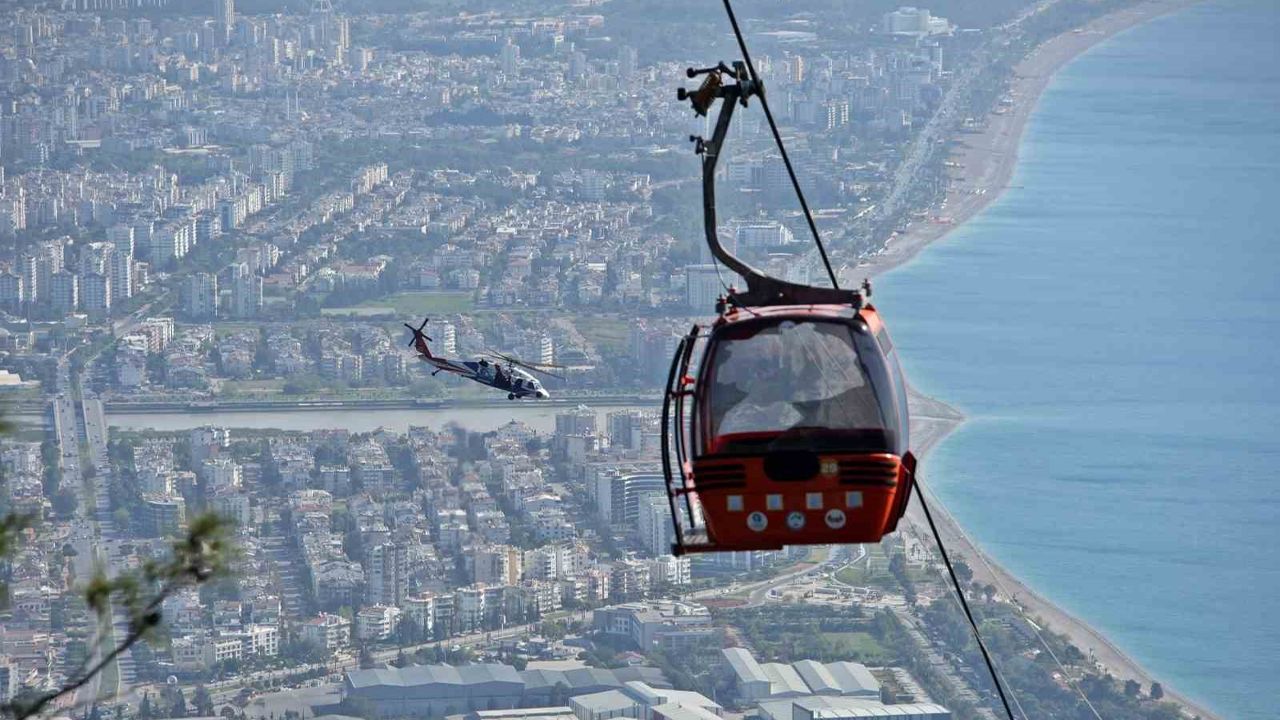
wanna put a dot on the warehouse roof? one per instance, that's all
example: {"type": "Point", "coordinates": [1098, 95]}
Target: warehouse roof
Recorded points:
{"type": "Point", "coordinates": [434, 675]}
{"type": "Point", "coordinates": [854, 678]}
{"type": "Point", "coordinates": [744, 665]}
{"type": "Point", "coordinates": [817, 677]}
{"type": "Point", "coordinates": [845, 708]}
{"type": "Point", "coordinates": [784, 679]}
{"type": "Point", "coordinates": [607, 702]}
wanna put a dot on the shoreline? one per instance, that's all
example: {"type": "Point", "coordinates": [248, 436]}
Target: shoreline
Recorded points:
{"type": "Point", "coordinates": [984, 162]}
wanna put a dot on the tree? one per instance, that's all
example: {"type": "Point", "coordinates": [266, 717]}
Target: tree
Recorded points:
{"type": "Point", "coordinates": [203, 701]}
{"type": "Point", "coordinates": [1157, 691]}
{"type": "Point", "coordinates": [64, 502]}
{"type": "Point", "coordinates": [203, 554]}
{"type": "Point", "coordinates": [144, 708]}
{"type": "Point", "coordinates": [1132, 689]}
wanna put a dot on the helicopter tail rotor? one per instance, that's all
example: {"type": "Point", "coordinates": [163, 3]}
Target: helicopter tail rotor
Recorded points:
{"type": "Point", "coordinates": [418, 332]}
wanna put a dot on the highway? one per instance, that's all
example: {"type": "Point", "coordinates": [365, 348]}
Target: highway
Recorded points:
{"type": "Point", "coordinates": [69, 431]}
{"type": "Point", "coordinates": [80, 428]}
{"type": "Point", "coordinates": [109, 537]}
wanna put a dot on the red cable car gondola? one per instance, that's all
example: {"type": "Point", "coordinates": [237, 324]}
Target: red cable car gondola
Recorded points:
{"type": "Point", "coordinates": [794, 428]}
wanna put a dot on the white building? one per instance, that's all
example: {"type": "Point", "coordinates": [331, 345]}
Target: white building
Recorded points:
{"type": "Point", "coordinates": [664, 623]}
{"type": "Point", "coordinates": [913, 21]}
{"type": "Point", "coordinates": [763, 235]}
{"type": "Point", "coordinates": [703, 284]}
{"type": "Point", "coordinates": [64, 292]}
{"type": "Point", "coordinates": [326, 631]}
{"type": "Point", "coordinates": [376, 622]}
{"type": "Point", "coordinates": [420, 610]}
{"type": "Point", "coordinates": [200, 296]}
{"type": "Point", "coordinates": [654, 528]}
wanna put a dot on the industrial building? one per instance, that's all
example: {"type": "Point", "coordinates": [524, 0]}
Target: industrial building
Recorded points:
{"type": "Point", "coordinates": [810, 690]}
{"type": "Point", "coordinates": [757, 681]}
{"type": "Point", "coordinates": [669, 624]}
{"type": "Point", "coordinates": [428, 691]}
{"type": "Point", "coordinates": [433, 691]}
{"type": "Point", "coordinates": [644, 702]}
{"type": "Point", "coordinates": [847, 708]}
{"type": "Point", "coordinates": [558, 712]}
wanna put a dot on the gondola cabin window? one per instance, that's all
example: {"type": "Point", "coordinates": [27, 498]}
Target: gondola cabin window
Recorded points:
{"type": "Point", "coordinates": [790, 382]}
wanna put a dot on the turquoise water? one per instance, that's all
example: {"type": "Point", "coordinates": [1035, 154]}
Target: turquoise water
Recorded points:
{"type": "Point", "coordinates": [1111, 326]}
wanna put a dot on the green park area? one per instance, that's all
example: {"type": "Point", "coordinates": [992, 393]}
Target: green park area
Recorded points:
{"type": "Point", "coordinates": [408, 304]}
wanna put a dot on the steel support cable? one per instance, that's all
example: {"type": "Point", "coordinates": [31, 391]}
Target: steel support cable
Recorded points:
{"type": "Point", "coordinates": [977, 634]}
{"type": "Point", "coordinates": [1040, 636]}
{"type": "Point", "coordinates": [777, 138]}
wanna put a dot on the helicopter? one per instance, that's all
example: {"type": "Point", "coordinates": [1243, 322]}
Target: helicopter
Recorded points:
{"type": "Point", "coordinates": [503, 372]}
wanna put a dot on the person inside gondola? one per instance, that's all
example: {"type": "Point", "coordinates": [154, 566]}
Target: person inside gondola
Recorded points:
{"type": "Point", "coordinates": [799, 377]}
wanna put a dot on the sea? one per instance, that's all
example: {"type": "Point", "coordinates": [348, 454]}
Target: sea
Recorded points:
{"type": "Point", "coordinates": [1111, 328]}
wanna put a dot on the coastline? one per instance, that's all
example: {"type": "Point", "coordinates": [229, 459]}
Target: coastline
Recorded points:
{"type": "Point", "coordinates": [986, 160]}
{"type": "Point", "coordinates": [983, 164]}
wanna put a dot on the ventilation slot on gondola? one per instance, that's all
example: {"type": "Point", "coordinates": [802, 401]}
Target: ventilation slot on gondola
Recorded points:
{"type": "Point", "coordinates": [869, 472]}
{"type": "Point", "coordinates": [709, 476]}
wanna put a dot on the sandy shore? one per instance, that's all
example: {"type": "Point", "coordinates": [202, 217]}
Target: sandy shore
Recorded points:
{"type": "Point", "coordinates": [984, 162]}
{"type": "Point", "coordinates": [986, 158]}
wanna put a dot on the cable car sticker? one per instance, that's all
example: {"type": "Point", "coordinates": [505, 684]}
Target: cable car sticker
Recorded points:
{"type": "Point", "coordinates": [757, 521]}
{"type": "Point", "coordinates": [835, 518]}
{"type": "Point", "coordinates": [795, 520]}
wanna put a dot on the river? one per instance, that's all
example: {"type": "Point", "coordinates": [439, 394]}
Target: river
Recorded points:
{"type": "Point", "coordinates": [540, 417]}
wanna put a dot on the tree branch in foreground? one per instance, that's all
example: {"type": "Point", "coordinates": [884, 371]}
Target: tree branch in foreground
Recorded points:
{"type": "Point", "coordinates": [204, 554]}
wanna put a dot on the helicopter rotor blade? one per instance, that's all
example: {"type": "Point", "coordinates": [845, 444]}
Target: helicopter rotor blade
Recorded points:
{"type": "Point", "coordinates": [535, 367]}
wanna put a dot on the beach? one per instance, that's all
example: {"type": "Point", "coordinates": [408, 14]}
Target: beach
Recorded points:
{"type": "Point", "coordinates": [981, 165]}
{"type": "Point", "coordinates": [984, 160]}
{"type": "Point", "coordinates": [931, 422]}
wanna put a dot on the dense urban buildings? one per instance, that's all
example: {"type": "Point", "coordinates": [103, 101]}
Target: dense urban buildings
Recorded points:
{"type": "Point", "coordinates": [223, 205]}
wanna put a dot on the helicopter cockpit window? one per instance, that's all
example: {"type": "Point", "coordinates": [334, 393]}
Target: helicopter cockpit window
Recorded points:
{"type": "Point", "coordinates": [791, 376]}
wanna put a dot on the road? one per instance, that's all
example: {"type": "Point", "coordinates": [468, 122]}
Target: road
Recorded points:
{"type": "Point", "coordinates": [958, 686]}
{"type": "Point", "coordinates": [68, 433]}
{"type": "Point", "coordinates": [109, 537]}
{"type": "Point", "coordinates": [80, 429]}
